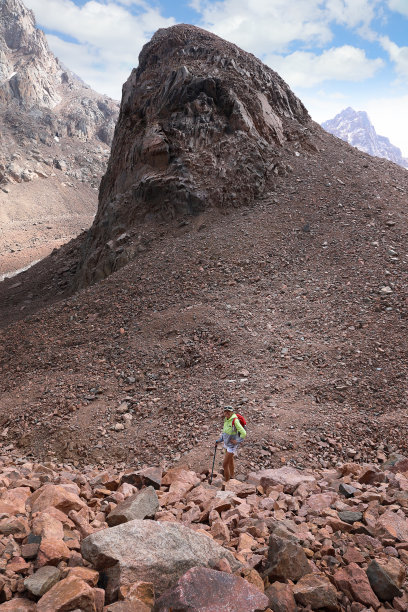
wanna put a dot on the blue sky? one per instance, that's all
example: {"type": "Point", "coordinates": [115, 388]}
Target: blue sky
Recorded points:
{"type": "Point", "coordinates": [332, 53]}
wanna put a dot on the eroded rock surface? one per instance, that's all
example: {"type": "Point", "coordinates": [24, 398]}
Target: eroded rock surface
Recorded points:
{"type": "Point", "coordinates": [202, 125]}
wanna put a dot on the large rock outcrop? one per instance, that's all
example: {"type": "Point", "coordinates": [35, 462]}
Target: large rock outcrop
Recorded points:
{"type": "Point", "coordinates": [202, 124]}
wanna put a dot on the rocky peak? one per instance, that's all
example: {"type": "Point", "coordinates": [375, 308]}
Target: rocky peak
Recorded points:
{"type": "Point", "coordinates": [33, 79]}
{"type": "Point", "coordinates": [356, 128]}
{"type": "Point", "coordinates": [202, 125]}
{"type": "Point", "coordinates": [29, 72]}
{"type": "Point", "coordinates": [54, 128]}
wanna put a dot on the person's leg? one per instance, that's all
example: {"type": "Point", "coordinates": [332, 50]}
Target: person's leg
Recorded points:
{"type": "Point", "coordinates": [226, 466]}
{"type": "Point", "coordinates": [229, 460]}
{"type": "Point", "coordinates": [232, 466]}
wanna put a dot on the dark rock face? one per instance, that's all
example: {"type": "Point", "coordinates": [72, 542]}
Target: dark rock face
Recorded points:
{"type": "Point", "coordinates": [356, 129]}
{"type": "Point", "coordinates": [202, 125]}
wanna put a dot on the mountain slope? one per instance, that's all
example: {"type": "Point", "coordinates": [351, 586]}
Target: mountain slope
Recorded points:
{"type": "Point", "coordinates": [54, 130]}
{"type": "Point", "coordinates": [356, 129]}
{"type": "Point", "coordinates": [287, 299]}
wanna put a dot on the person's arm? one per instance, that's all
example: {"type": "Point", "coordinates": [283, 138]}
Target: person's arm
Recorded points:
{"type": "Point", "coordinates": [239, 428]}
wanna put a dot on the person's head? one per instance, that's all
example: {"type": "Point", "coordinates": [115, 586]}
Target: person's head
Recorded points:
{"type": "Point", "coordinates": [228, 412]}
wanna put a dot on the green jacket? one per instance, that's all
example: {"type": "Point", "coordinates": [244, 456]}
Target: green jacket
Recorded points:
{"type": "Point", "coordinates": [231, 429]}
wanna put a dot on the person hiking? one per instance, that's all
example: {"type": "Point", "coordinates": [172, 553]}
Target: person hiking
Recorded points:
{"type": "Point", "coordinates": [232, 435]}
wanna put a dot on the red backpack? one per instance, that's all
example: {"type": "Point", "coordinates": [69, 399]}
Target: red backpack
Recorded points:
{"type": "Point", "coordinates": [241, 419]}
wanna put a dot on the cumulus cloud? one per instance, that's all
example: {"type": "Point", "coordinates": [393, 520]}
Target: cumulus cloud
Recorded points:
{"type": "Point", "coordinates": [305, 69]}
{"type": "Point", "coordinates": [266, 25]}
{"type": "Point", "coordinates": [105, 38]}
{"type": "Point", "coordinates": [398, 55]}
{"type": "Point", "coordinates": [271, 26]}
{"type": "Point", "coordinates": [352, 13]}
{"type": "Point", "coordinates": [400, 6]}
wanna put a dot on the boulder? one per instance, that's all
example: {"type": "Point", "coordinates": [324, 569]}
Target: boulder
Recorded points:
{"type": "Point", "coordinates": [201, 495]}
{"type": "Point", "coordinates": [68, 594]}
{"type": "Point", "coordinates": [350, 517]}
{"type": "Point", "coordinates": [371, 475]}
{"type": "Point", "coordinates": [179, 475]}
{"type": "Point", "coordinates": [51, 552]}
{"type": "Point", "coordinates": [151, 476]}
{"type": "Point", "coordinates": [281, 597]}
{"type": "Point", "coordinates": [353, 581]}
{"type": "Point", "coordinates": [56, 497]}
{"type": "Point", "coordinates": [42, 580]}
{"type": "Point", "coordinates": [287, 559]}
{"type": "Point", "coordinates": [392, 525]}
{"type": "Point", "coordinates": [287, 476]}
{"type": "Point", "coordinates": [202, 590]}
{"type": "Point", "coordinates": [396, 463]}
{"type": "Point", "coordinates": [386, 576]}
{"type": "Point", "coordinates": [241, 489]}
{"type": "Point", "coordinates": [16, 498]}
{"type": "Point", "coordinates": [316, 503]}
{"type": "Point", "coordinates": [316, 591]}
{"type": "Point", "coordinates": [138, 591]}
{"type": "Point", "coordinates": [47, 527]}
{"type": "Point", "coordinates": [18, 604]}
{"type": "Point", "coordinates": [144, 504]}
{"type": "Point", "coordinates": [157, 552]}
{"type": "Point", "coordinates": [86, 574]}
{"type": "Point", "coordinates": [14, 525]}
{"type": "Point", "coordinates": [347, 490]}
{"type": "Point", "coordinates": [128, 606]}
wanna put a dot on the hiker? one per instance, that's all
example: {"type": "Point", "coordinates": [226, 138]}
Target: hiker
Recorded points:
{"type": "Point", "coordinates": [232, 435]}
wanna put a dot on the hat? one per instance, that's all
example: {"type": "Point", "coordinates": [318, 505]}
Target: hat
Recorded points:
{"type": "Point", "coordinates": [228, 408]}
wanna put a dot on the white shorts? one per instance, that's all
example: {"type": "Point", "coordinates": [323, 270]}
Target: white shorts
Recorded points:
{"type": "Point", "coordinates": [229, 447]}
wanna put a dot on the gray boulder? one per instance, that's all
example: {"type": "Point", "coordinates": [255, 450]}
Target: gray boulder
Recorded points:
{"type": "Point", "coordinates": [287, 559]}
{"type": "Point", "coordinates": [43, 579]}
{"type": "Point", "coordinates": [141, 505]}
{"type": "Point", "coordinates": [150, 551]}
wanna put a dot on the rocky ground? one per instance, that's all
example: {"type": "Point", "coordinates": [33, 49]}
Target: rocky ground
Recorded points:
{"type": "Point", "coordinates": [286, 300]}
{"type": "Point", "coordinates": [279, 540]}
{"type": "Point", "coordinates": [293, 310]}
{"type": "Point", "coordinates": [30, 230]}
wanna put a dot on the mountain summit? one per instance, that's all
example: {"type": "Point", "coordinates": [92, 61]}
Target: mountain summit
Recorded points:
{"type": "Point", "coordinates": [203, 124]}
{"type": "Point", "coordinates": [356, 128]}
{"type": "Point", "coordinates": [33, 79]}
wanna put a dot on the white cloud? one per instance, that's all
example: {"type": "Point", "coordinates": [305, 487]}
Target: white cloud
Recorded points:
{"type": "Point", "coordinates": [108, 37]}
{"type": "Point", "coordinates": [400, 6]}
{"type": "Point", "coordinates": [305, 69]}
{"type": "Point", "coordinates": [398, 55]}
{"type": "Point", "coordinates": [352, 13]}
{"type": "Point", "coordinates": [270, 26]}
{"type": "Point", "coordinates": [266, 26]}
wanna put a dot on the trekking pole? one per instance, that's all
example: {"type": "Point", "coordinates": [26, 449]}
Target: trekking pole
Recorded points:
{"type": "Point", "coordinates": [212, 471]}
